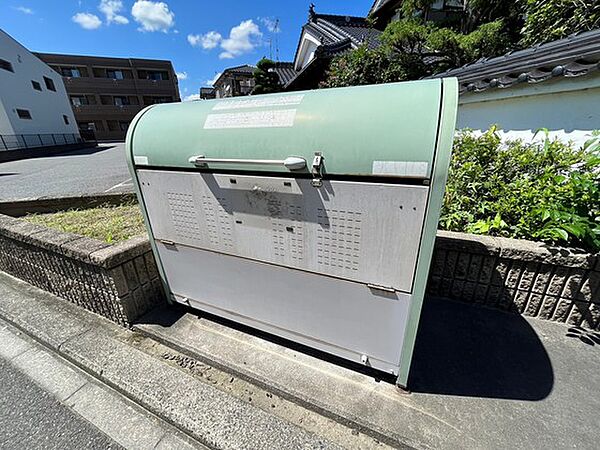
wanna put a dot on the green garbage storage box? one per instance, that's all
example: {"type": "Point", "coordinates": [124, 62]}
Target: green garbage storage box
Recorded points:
{"type": "Point", "coordinates": [309, 215]}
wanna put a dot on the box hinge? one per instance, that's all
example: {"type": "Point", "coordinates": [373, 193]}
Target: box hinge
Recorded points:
{"type": "Point", "coordinates": [380, 288]}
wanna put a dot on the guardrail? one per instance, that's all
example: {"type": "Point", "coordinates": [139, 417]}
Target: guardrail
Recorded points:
{"type": "Point", "coordinates": [26, 141]}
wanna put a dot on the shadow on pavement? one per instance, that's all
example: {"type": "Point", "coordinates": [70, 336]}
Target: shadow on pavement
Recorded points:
{"type": "Point", "coordinates": [472, 351]}
{"type": "Point", "coordinates": [461, 350]}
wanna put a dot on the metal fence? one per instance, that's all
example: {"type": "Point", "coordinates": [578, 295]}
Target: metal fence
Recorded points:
{"type": "Point", "coordinates": [24, 141]}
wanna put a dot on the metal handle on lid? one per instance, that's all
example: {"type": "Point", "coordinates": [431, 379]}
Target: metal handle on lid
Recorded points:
{"type": "Point", "coordinates": [291, 162]}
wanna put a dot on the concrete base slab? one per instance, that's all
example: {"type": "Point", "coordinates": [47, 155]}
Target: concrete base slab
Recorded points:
{"type": "Point", "coordinates": [480, 378]}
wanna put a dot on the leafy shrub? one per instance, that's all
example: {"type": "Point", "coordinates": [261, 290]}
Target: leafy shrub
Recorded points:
{"type": "Point", "coordinates": [547, 191]}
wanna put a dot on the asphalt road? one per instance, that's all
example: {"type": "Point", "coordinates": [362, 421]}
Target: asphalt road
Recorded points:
{"type": "Point", "coordinates": [31, 418]}
{"type": "Point", "coordinates": [88, 171]}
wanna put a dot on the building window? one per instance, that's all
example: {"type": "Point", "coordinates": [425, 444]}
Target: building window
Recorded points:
{"type": "Point", "coordinates": [37, 86]}
{"type": "Point", "coordinates": [23, 114]}
{"type": "Point", "coordinates": [78, 100]}
{"type": "Point", "coordinates": [70, 72]}
{"type": "Point", "coordinates": [49, 84]}
{"type": "Point", "coordinates": [155, 75]}
{"type": "Point", "coordinates": [66, 119]}
{"type": "Point", "coordinates": [121, 101]}
{"type": "Point", "coordinates": [114, 74]}
{"type": "Point", "coordinates": [6, 65]}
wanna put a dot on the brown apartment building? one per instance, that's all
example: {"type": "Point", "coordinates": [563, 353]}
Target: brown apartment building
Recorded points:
{"type": "Point", "coordinates": [106, 93]}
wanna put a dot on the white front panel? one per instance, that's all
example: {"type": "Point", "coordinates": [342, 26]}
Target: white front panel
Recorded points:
{"type": "Point", "coordinates": [364, 232]}
{"type": "Point", "coordinates": [337, 316]}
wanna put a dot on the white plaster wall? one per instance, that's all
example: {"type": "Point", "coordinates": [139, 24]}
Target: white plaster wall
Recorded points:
{"type": "Point", "coordinates": [568, 108]}
{"type": "Point", "coordinates": [16, 91]}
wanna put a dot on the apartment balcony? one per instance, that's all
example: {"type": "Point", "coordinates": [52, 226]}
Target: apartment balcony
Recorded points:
{"type": "Point", "coordinates": [99, 112]}
{"type": "Point", "coordinates": [91, 85]}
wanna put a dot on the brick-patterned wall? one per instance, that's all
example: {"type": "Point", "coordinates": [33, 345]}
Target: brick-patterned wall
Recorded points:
{"type": "Point", "coordinates": [524, 277]}
{"type": "Point", "coordinates": [119, 282]}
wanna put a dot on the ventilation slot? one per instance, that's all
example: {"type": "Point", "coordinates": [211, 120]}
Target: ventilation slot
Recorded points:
{"type": "Point", "coordinates": [338, 238]}
{"type": "Point", "coordinates": [288, 233]}
{"type": "Point", "coordinates": [218, 222]}
{"type": "Point", "coordinates": [183, 215]}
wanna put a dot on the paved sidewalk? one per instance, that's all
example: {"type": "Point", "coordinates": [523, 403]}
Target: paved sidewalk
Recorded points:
{"type": "Point", "coordinates": [213, 407]}
{"type": "Point", "coordinates": [48, 403]}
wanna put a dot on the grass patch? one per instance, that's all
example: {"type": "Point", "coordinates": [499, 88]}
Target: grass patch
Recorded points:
{"type": "Point", "coordinates": [108, 223]}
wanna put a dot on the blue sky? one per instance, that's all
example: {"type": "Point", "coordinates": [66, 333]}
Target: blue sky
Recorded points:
{"type": "Point", "coordinates": [201, 38]}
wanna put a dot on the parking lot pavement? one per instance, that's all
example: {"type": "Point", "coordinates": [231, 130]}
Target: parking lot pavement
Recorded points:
{"type": "Point", "coordinates": [83, 172]}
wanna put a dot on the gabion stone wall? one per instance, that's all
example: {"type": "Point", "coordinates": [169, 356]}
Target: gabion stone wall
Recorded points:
{"type": "Point", "coordinates": [119, 282]}
{"type": "Point", "coordinates": [521, 276]}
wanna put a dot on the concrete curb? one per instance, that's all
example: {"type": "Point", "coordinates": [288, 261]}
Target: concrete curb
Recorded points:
{"type": "Point", "coordinates": [39, 152]}
{"type": "Point", "coordinates": [18, 208]}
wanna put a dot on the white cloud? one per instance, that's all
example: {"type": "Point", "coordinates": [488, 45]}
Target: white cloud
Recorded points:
{"type": "Point", "coordinates": [191, 97]}
{"type": "Point", "coordinates": [153, 16]}
{"type": "Point", "coordinates": [24, 10]}
{"type": "Point", "coordinates": [87, 21]}
{"type": "Point", "coordinates": [111, 10]}
{"type": "Point", "coordinates": [212, 82]}
{"type": "Point", "coordinates": [207, 41]}
{"type": "Point", "coordinates": [243, 38]}
{"type": "Point", "coordinates": [182, 75]}
{"type": "Point", "coordinates": [271, 24]}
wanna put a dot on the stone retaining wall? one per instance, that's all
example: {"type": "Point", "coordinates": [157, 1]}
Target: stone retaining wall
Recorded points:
{"type": "Point", "coordinates": [521, 276]}
{"type": "Point", "coordinates": [119, 282]}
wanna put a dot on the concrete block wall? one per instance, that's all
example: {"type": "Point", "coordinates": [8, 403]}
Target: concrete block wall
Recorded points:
{"type": "Point", "coordinates": [119, 282]}
{"type": "Point", "coordinates": [524, 277]}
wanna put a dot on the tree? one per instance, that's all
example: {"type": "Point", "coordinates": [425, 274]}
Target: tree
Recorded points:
{"type": "Point", "coordinates": [549, 20]}
{"type": "Point", "coordinates": [411, 49]}
{"type": "Point", "coordinates": [265, 77]}
{"type": "Point", "coordinates": [365, 66]}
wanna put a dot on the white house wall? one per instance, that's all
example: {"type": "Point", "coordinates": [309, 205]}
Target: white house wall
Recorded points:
{"type": "Point", "coordinates": [16, 92]}
{"type": "Point", "coordinates": [568, 108]}
{"type": "Point", "coordinates": [306, 52]}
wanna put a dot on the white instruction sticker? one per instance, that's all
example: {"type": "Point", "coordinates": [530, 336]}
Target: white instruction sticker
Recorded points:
{"type": "Point", "coordinates": [140, 160]}
{"type": "Point", "coordinates": [253, 119]}
{"type": "Point", "coordinates": [412, 169]}
{"type": "Point", "coordinates": [260, 102]}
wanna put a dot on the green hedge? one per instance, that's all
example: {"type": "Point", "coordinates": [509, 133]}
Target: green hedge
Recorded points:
{"type": "Point", "coordinates": [545, 191]}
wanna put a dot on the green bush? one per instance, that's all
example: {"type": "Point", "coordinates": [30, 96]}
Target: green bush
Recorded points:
{"type": "Point", "coordinates": [546, 191]}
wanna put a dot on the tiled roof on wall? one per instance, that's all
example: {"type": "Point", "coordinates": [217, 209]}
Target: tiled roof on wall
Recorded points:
{"type": "Point", "coordinates": [574, 56]}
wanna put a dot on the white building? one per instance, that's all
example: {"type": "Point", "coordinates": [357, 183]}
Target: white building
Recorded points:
{"type": "Point", "coordinates": [34, 106]}
{"type": "Point", "coordinates": [555, 86]}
